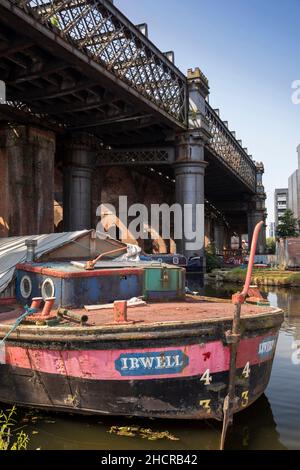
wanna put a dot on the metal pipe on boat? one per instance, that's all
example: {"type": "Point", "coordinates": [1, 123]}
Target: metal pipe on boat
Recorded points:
{"type": "Point", "coordinates": [233, 338]}
{"type": "Point", "coordinates": [48, 306]}
{"type": "Point", "coordinates": [30, 253]}
{"type": "Point", "coordinates": [251, 258]}
{"type": "Point", "coordinates": [90, 265]}
{"type": "Point", "coordinates": [73, 316]}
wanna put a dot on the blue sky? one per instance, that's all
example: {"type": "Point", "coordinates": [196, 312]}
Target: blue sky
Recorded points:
{"type": "Point", "coordinates": [250, 52]}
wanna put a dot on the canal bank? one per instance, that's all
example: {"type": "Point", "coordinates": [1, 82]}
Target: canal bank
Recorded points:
{"type": "Point", "coordinates": [260, 277]}
{"type": "Point", "coordinates": [273, 422]}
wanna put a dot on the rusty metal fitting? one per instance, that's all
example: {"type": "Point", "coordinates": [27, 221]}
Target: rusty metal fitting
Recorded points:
{"type": "Point", "coordinates": [36, 302]}
{"type": "Point", "coordinates": [232, 338]}
{"type": "Point", "coordinates": [255, 292]}
{"type": "Point", "coordinates": [238, 298]}
{"type": "Point", "coordinates": [39, 319]}
{"type": "Point", "coordinates": [120, 311]}
{"type": "Point", "coordinates": [90, 265]}
{"type": "Point", "coordinates": [48, 306]}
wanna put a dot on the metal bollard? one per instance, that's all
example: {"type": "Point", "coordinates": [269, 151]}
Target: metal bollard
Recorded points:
{"type": "Point", "coordinates": [120, 311]}
{"type": "Point", "coordinates": [36, 302]}
{"type": "Point", "coordinates": [48, 306]}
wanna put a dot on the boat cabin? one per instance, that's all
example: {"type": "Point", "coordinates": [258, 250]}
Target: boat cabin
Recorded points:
{"type": "Point", "coordinates": [81, 268]}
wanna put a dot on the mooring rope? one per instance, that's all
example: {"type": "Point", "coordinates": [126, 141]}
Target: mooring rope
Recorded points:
{"type": "Point", "coordinates": [28, 311]}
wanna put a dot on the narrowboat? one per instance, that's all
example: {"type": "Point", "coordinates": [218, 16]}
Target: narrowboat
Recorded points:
{"type": "Point", "coordinates": [175, 259]}
{"type": "Point", "coordinates": [94, 337]}
{"type": "Point", "coordinates": [193, 264]}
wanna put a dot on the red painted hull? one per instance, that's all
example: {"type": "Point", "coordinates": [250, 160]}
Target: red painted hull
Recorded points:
{"type": "Point", "coordinates": [172, 370]}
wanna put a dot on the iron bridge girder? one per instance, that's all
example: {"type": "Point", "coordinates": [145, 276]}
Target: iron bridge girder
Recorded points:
{"type": "Point", "coordinates": [133, 157]}
{"type": "Point", "coordinates": [227, 149]}
{"type": "Point", "coordinates": [99, 30]}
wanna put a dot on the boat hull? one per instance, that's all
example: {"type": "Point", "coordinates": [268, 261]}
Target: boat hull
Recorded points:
{"type": "Point", "coordinates": [180, 373]}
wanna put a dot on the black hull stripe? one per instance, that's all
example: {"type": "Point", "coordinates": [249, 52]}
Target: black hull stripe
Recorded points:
{"type": "Point", "coordinates": [176, 398]}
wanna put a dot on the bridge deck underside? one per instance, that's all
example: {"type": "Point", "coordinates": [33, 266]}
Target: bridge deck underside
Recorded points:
{"type": "Point", "coordinates": [52, 84]}
{"type": "Point", "coordinates": [222, 190]}
{"type": "Point", "coordinates": [221, 183]}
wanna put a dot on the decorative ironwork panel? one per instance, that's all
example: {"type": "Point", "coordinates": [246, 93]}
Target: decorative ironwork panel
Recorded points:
{"type": "Point", "coordinates": [134, 157]}
{"type": "Point", "coordinates": [102, 32]}
{"type": "Point", "coordinates": [229, 151]}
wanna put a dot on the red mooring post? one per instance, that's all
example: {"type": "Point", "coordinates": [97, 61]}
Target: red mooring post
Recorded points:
{"type": "Point", "coordinates": [48, 306]}
{"type": "Point", "coordinates": [120, 311]}
{"type": "Point", "coordinates": [36, 302]}
{"type": "Point", "coordinates": [233, 338]}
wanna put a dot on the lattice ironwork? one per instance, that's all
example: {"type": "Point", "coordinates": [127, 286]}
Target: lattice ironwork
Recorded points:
{"type": "Point", "coordinates": [229, 151]}
{"type": "Point", "coordinates": [98, 29]}
{"type": "Point", "coordinates": [134, 157]}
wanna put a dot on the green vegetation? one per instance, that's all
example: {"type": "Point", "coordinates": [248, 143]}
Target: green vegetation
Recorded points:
{"type": "Point", "coordinates": [212, 260]}
{"type": "Point", "coordinates": [288, 225]}
{"type": "Point", "coordinates": [144, 433]}
{"type": "Point", "coordinates": [261, 277]}
{"type": "Point", "coordinates": [8, 439]}
{"type": "Point", "coordinates": [271, 246]}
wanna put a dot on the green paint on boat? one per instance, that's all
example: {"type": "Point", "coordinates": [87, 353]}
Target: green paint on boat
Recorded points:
{"type": "Point", "coordinates": [164, 282]}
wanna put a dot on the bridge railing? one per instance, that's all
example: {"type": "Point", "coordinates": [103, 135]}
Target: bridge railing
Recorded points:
{"type": "Point", "coordinates": [101, 31]}
{"type": "Point", "coordinates": [227, 149]}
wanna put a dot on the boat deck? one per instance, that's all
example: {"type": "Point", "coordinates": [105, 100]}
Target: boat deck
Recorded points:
{"type": "Point", "coordinates": [189, 311]}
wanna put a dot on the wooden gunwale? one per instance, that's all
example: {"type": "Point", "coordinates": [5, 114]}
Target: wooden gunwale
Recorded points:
{"type": "Point", "coordinates": [140, 331]}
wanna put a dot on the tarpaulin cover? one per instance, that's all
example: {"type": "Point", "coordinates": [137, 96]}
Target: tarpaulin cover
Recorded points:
{"type": "Point", "coordinates": [13, 251]}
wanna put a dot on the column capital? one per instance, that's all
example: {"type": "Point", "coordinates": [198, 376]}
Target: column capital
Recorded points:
{"type": "Point", "coordinates": [80, 140]}
{"type": "Point", "coordinates": [191, 137]}
{"type": "Point", "coordinates": [190, 146]}
{"type": "Point", "coordinates": [257, 205]}
{"type": "Point", "coordinates": [80, 149]}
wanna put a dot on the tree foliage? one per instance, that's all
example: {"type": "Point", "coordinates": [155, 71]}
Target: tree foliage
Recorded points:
{"type": "Point", "coordinates": [271, 246]}
{"type": "Point", "coordinates": [213, 261]}
{"type": "Point", "coordinates": [288, 225]}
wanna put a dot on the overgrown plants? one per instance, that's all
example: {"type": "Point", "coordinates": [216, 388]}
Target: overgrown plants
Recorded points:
{"type": "Point", "coordinates": [8, 439]}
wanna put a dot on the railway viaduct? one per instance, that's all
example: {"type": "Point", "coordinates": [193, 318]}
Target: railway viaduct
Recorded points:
{"type": "Point", "coordinates": [95, 110]}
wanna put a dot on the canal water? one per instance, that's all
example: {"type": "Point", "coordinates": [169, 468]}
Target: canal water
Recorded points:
{"type": "Point", "coordinates": [273, 422]}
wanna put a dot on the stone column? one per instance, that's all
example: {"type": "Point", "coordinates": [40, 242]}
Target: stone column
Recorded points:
{"type": "Point", "coordinates": [79, 161]}
{"type": "Point", "coordinates": [27, 177]}
{"type": "Point", "coordinates": [254, 217]}
{"type": "Point", "coordinates": [257, 211]}
{"type": "Point", "coordinates": [219, 236]}
{"type": "Point", "coordinates": [190, 169]}
{"type": "Point", "coordinates": [228, 236]}
{"type": "Point", "coordinates": [189, 176]}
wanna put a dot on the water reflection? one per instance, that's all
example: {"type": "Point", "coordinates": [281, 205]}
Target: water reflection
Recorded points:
{"type": "Point", "coordinates": [283, 390]}
{"type": "Point", "coordinates": [255, 428]}
{"type": "Point", "coordinates": [55, 431]}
